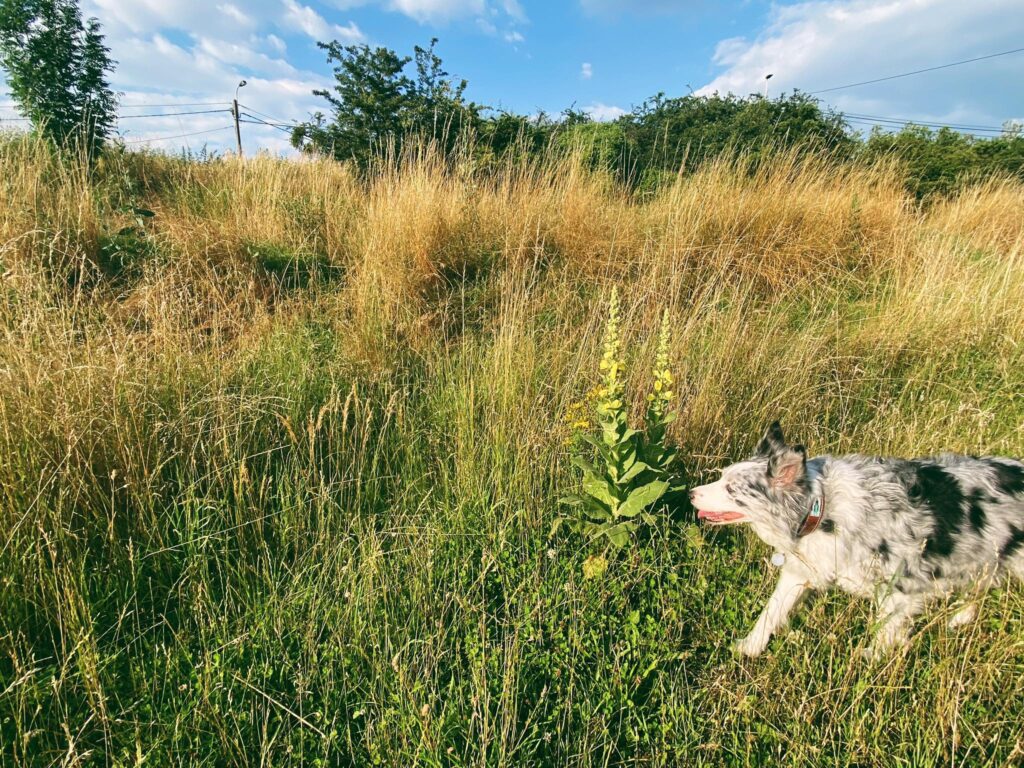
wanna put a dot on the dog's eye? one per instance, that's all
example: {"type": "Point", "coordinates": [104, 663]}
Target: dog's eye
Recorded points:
{"type": "Point", "coordinates": [728, 488]}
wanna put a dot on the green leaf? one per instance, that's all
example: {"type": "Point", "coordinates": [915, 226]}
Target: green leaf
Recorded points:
{"type": "Point", "coordinates": [599, 489]}
{"type": "Point", "coordinates": [633, 471]}
{"type": "Point", "coordinates": [601, 447]}
{"type": "Point", "coordinates": [629, 433]}
{"type": "Point", "coordinates": [629, 457]}
{"type": "Point", "coordinates": [610, 434]}
{"type": "Point", "coordinates": [596, 510]}
{"type": "Point", "coordinates": [618, 534]}
{"type": "Point", "coordinates": [586, 466]}
{"type": "Point", "coordinates": [641, 498]}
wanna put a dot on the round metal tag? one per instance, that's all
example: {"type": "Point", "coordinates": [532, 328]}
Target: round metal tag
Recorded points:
{"type": "Point", "coordinates": [778, 559]}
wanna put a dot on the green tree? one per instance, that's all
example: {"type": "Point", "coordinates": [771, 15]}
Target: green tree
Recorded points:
{"type": "Point", "coordinates": [57, 70]}
{"type": "Point", "coordinates": [374, 102]}
{"type": "Point", "coordinates": [506, 132]}
{"type": "Point", "coordinates": [664, 133]}
{"type": "Point", "coordinates": [940, 162]}
{"type": "Point", "coordinates": [602, 144]}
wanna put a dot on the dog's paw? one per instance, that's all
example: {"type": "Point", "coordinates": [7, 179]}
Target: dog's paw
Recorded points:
{"type": "Point", "coordinates": [884, 650]}
{"type": "Point", "coordinates": [747, 647]}
{"type": "Point", "coordinates": [964, 616]}
{"type": "Point", "coordinates": [870, 653]}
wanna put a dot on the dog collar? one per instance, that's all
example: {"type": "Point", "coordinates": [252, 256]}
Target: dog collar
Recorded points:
{"type": "Point", "coordinates": [814, 517]}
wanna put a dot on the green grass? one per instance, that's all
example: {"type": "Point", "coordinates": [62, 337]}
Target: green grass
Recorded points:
{"type": "Point", "coordinates": [266, 504]}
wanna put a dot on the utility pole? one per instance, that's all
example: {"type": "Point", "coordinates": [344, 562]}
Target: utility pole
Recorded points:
{"type": "Point", "coordinates": [238, 127]}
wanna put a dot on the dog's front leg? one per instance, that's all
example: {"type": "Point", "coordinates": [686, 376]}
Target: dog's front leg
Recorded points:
{"type": "Point", "coordinates": [787, 594]}
{"type": "Point", "coordinates": [896, 617]}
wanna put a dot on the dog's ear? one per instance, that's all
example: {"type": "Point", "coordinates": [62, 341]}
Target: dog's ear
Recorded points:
{"type": "Point", "coordinates": [773, 440]}
{"type": "Point", "coordinates": [788, 466]}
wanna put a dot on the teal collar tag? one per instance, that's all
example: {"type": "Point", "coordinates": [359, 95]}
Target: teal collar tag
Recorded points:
{"type": "Point", "coordinates": [814, 517]}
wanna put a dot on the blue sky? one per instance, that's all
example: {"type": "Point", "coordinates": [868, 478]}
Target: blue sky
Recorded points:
{"type": "Point", "coordinates": [600, 55]}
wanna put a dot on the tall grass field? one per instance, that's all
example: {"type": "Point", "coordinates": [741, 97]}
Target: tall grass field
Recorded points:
{"type": "Point", "coordinates": [281, 446]}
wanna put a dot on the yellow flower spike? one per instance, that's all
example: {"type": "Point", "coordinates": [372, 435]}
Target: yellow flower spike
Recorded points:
{"type": "Point", "coordinates": [662, 376]}
{"type": "Point", "coordinates": [607, 393]}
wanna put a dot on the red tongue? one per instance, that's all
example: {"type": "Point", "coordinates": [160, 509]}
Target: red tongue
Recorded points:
{"type": "Point", "coordinates": [718, 517]}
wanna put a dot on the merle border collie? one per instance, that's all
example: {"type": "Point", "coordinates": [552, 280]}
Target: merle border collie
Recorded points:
{"type": "Point", "coordinates": [900, 531]}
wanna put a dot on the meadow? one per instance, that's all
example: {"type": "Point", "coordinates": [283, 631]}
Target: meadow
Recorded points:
{"type": "Point", "coordinates": [281, 446]}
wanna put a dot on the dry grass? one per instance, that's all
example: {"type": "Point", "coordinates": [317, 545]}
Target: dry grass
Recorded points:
{"type": "Point", "coordinates": [278, 466]}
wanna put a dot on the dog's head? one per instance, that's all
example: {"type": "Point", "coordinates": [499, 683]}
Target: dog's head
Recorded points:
{"type": "Point", "coordinates": [770, 490]}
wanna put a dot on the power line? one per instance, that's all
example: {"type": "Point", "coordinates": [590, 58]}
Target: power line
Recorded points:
{"type": "Point", "coordinates": [283, 127]}
{"type": "Point", "coordinates": [182, 104]}
{"type": "Point", "coordinates": [923, 123]}
{"type": "Point", "coordinates": [173, 114]}
{"type": "Point", "coordinates": [270, 117]}
{"type": "Point", "coordinates": [142, 106]}
{"type": "Point", "coordinates": [179, 136]}
{"type": "Point", "coordinates": [257, 121]}
{"type": "Point", "coordinates": [917, 71]}
{"type": "Point", "coordinates": [154, 114]}
{"type": "Point", "coordinates": [932, 123]}
{"type": "Point", "coordinates": [876, 124]}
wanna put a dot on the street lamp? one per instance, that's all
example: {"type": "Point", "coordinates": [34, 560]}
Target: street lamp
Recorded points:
{"type": "Point", "coordinates": [767, 77]}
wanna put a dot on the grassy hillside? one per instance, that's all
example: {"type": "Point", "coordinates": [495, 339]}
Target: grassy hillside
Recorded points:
{"type": "Point", "coordinates": [278, 462]}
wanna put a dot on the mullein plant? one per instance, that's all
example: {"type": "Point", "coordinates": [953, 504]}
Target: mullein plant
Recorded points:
{"type": "Point", "coordinates": [659, 456]}
{"type": "Point", "coordinates": [632, 471]}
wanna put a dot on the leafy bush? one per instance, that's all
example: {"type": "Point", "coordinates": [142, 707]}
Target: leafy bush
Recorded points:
{"type": "Point", "coordinates": [633, 469]}
{"type": "Point", "coordinates": [123, 253]}
{"type": "Point", "coordinates": [941, 162]}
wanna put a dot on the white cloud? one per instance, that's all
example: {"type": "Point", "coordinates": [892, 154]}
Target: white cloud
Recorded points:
{"type": "Point", "coordinates": [819, 44]}
{"type": "Point", "coordinates": [350, 33]}
{"type": "Point", "coordinates": [604, 113]}
{"type": "Point", "coordinates": [190, 51]}
{"type": "Point", "coordinates": [276, 43]}
{"type": "Point", "coordinates": [229, 18]}
{"type": "Point", "coordinates": [280, 99]}
{"type": "Point", "coordinates": [514, 11]}
{"type": "Point", "coordinates": [234, 13]}
{"type": "Point", "coordinates": [307, 20]}
{"type": "Point", "coordinates": [231, 53]}
{"type": "Point", "coordinates": [730, 51]}
{"type": "Point", "coordinates": [586, 71]}
{"type": "Point", "coordinates": [640, 6]}
{"type": "Point", "coordinates": [438, 11]}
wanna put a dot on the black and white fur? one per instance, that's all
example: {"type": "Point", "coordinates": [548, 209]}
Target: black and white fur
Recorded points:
{"type": "Point", "coordinates": [900, 531]}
